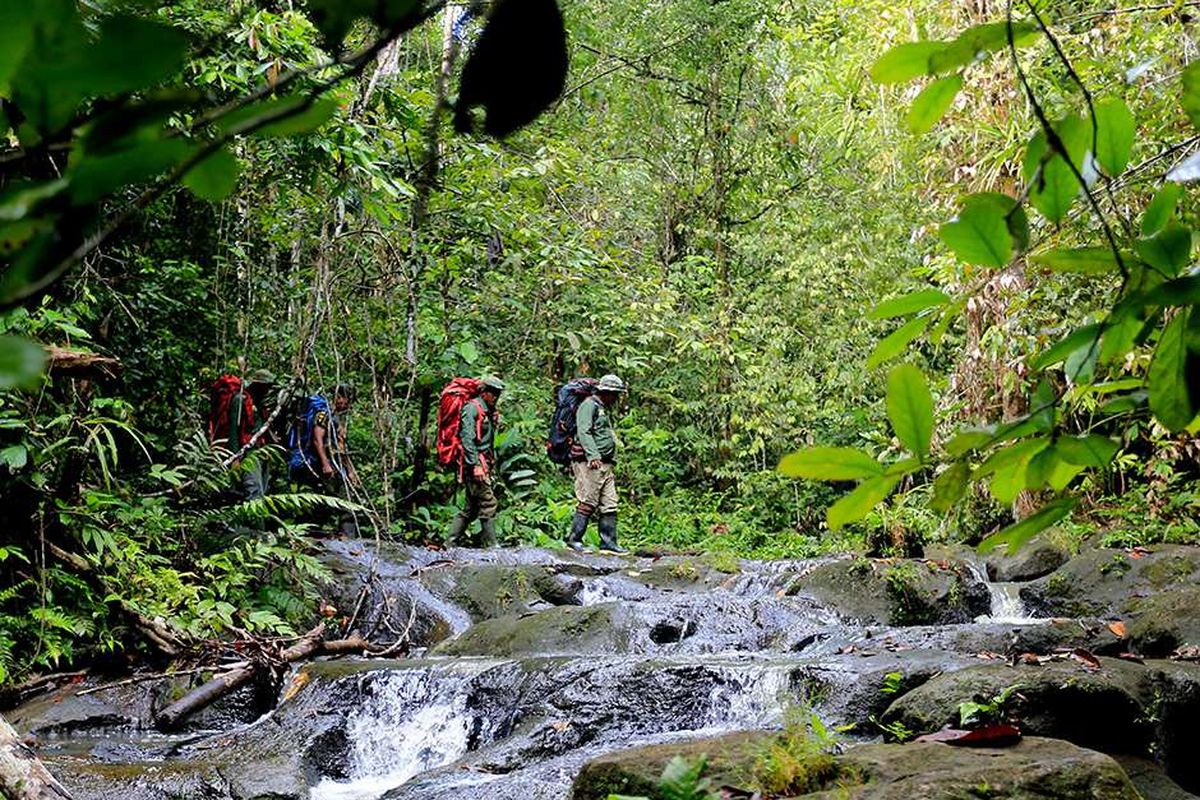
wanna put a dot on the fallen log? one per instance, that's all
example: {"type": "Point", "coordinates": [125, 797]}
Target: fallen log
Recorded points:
{"type": "Point", "coordinates": [310, 645]}
{"type": "Point", "coordinates": [22, 775]}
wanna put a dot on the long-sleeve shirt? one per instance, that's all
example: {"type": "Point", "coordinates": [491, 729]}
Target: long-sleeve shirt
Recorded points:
{"type": "Point", "coordinates": [594, 431]}
{"type": "Point", "coordinates": [477, 438]}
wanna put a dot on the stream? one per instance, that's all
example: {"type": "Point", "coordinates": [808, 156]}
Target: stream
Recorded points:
{"type": "Point", "coordinates": [530, 663]}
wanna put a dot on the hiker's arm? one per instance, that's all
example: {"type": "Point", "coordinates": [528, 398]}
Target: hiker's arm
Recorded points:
{"type": "Point", "coordinates": [319, 446]}
{"type": "Point", "coordinates": [468, 434]}
{"type": "Point", "coordinates": [585, 418]}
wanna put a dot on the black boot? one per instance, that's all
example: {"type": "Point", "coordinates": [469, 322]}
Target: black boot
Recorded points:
{"type": "Point", "coordinates": [608, 534]}
{"type": "Point", "coordinates": [487, 530]}
{"type": "Point", "coordinates": [457, 528]}
{"type": "Point", "coordinates": [578, 528]}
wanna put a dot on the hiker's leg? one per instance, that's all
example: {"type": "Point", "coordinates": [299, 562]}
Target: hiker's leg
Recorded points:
{"type": "Point", "coordinates": [488, 506]}
{"type": "Point", "coordinates": [254, 479]}
{"type": "Point", "coordinates": [608, 510]}
{"type": "Point", "coordinates": [587, 497]}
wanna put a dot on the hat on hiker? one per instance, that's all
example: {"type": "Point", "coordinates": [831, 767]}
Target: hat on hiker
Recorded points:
{"type": "Point", "coordinates": [263, 376]}
{"type": "Point", "coordinates": [493, 383]}
{"type": "Point", "coordinates": [611, 383]}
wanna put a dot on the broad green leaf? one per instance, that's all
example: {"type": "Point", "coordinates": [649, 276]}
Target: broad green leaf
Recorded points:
{"type": "Point", "coordinates": [16, 37]}
{"type": "Point", "coordinates": [910, 408]}
{"type": "Point", "coordinates": [1016, 535]}
{"type": "Point", "coordinates": [1161, 209]}
{"type": "Point", "coordinates": [1087, 451]}
{"type": "Point", "coordinates": [859, 502]}
{"type": "Point", "coordinates": [15, 456]}
{"type": "Point", "coordinates": [1087, 260]}
{"type": "Point", "coordinates": [1115, 130]}
{"type": "Point", "coordinates": [895, 342]}
{"type": "Point", "coordinates": [468, 351]}
{"type": "Point", "coordinates": [1008, 481]}
{"type": "Point", "coordinates": [215, 177]}
{"type": "Point", "coordinates": [1080, 366]}
{"type": "Point", "coordinates": [1016, 453]}
{"type": "Point", "coordinates": [96, 177]}
{"type": "Point", "coordinates": [1060, 351]}
{"type": "Point", "coordinates": [1171, 400]}
{"type": "Point", "coordinates": [980, 233]}
{"type": "Point", "coordinates": [967, 440]}
{"type": "Point", "coordinates": [1179, 292]}
{"type": "Point", "coordinates": [1191, 92]}
{"type": "Point", "coordinates": [946, 318]}
{"type": "Point", "coordinates": [904, 62]}
{"type": "Point", "coordinates": [1125, 403]}
{"type": "Point", "coordinates": [932, 103]}
{"type": "Point", "coordinates": [1057, 187]}
{"type": "Point", "coordinates": [132, 53]}
{"type": "Point", "coordinates": [1120, 334]}
{"type": "Point", "coordinates": [950, 486]}
{"type": "Point", "coordinates": [281, 116]}
{"type": "Point", "coordinates": [21, 363]}
{"type": "Point", "coordinates": [830, 464]}
{"type": "Point", "coordinates": [907, 304]}
{"type": "Point", "coordinates": [1168, 251]}
{"type": "Point", "coordinates": [905, 466]}
{"type": "Point", "coordinates": [977, 42]}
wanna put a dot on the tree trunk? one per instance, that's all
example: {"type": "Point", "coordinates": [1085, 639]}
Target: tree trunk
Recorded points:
{"type": "Point", "coordinates": [22, 775]}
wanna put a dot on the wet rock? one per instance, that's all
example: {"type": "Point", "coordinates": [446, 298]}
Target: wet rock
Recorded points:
{"type": "Point", "coordinates": [143, 781]}
{"type": "Point", "coordinates": [1033, 769]}
{"type": "Point", "coordinates": [1107, 583]}
{"type": "Point", "coordinates": [1165, 621]}
{"type": "Point", "coordinates": [1102, 709]}
{"type": "Point", "coordinates": [897, 591]}
{"type": "Point", "coordinates": [563, 630]}
{"type": "Point", "coordinates": [1032, 561]}
{"type": "Point", "coordinates": [1150, 780]}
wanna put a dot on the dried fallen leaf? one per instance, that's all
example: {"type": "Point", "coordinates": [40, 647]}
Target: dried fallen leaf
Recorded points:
{"type": "Point", "coordinates": [988, 655]}
{"type": "Point", "coordinates": [1138, 552]}
{"type": "Point", "coordinates": [1118, 629]}
{"type": "Point", "coordinates": [1131, 657]}
{"type": "Point", "coordinates": [1187, 653]}
{"type": "Point", "coordinates": [987, 736]}
{"type": "Point", "coordinates": [300, 680]}
{"type": "Point", "coordinates": [1086, 658]}
{"type": "Point", "coordinates": [560, 725]}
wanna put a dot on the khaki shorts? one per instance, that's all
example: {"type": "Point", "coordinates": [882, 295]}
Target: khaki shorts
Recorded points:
{"type": "Point", "coordinates": [596, 488]}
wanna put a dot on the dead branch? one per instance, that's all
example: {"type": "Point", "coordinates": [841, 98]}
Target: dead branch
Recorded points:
{"type": "Point", "coordinates": [81, 363]}
{"type": "Point", "coordinates": [310, 645]}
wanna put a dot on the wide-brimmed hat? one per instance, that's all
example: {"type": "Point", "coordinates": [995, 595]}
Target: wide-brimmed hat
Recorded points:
{"type": "Point", "coordinates": [611, 383]}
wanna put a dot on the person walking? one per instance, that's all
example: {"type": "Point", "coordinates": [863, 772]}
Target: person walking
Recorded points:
{"type": "Point", "coordinates": [477, 471]}
{"type": "Point", "coordinates": [594, 456]}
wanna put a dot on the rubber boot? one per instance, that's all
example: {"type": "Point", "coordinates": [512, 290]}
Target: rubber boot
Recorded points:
{"type": "Point", "coordinates": [608, 534]}
{"type": "Point", "coordinates": [457, 528]}
{"type": "Point", "coordinates": [578, 529]}
{"type": "Point", "coordinates": [487, 531]}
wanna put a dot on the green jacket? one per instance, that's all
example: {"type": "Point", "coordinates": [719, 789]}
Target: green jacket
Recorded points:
{"type": "Point", "coordinates": [477, 438]}
{"type": "Point", "coordinates": [594, 431]}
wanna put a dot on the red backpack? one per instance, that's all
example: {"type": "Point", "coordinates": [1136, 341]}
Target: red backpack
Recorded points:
{"type": "Point", "coordinates": [229, 406]}
{"type": "Point", "coordinates": [457, 393]}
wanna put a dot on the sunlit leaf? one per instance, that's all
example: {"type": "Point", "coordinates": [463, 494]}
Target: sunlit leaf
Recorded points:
{"type": "Point", "coordinates": [904, 62]}
{"type": "Point", "coordinates": [894, 343]}
{"type": "Point", "coordinates": [1091, 450]}
{"type": "Point", "coordinates": [1016, 535]}
{"type": "Point", "coordinates": [830, 464]}
{"type": "Point", "coordinates": [977, 42]}
{"type": "Point", "coordinates": [1086, 260]}
{"type": "Point", "coordinates": [1161, 209]}
{"type": "Point", "coordinates": [1191, 92]}
{"type": "Point", "coordinates": [932, 103]}
{"type": "Point", "coordinates": [950, 486]}
{"type": "Point", "coordinates": [1115, 130]}
{"type": "Point", "coordinates": [1016, 453]}
{"type": "Point", "coordinates": [1171, 399]}
{"type": "Point", "coordinates": [980, 233]}
{"type": "Point", "coordinates": [1056, 187]}
{"type": "Point", "coordinates": [967, 440]}
{"type": "Point", "coordinates": [1077, 338]}
{"type": "Point", "coordinates": [910, 408]}
{"type": "Point", "coordinates": [1168, 250]}
{"type": "Point", "coordinates": [859, 502]}
{"type": "Point", "coordinates": [909, 304]}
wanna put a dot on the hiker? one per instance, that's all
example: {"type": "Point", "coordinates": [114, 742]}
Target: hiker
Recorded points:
{"type": "Point", "coordinates": [477, 428]}
{"type": "Point", "coordinates": [594, 454]}
{"type": "Point", "coordinates": [320, 459]}
{"type": "Point", "coordinates": [235, 405]}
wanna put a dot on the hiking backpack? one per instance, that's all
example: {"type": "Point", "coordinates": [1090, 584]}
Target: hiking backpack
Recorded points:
{"type": "Point", "coordinates": [561, 443]}
{"type": "Point", "coordinates": [230, 409]}
{"type": "Point", "coordinates": [457, 394]}
{"type": "Point", "coordinates": [300, 439]}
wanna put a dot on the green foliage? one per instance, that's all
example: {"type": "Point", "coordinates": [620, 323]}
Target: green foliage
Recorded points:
{"type": "Point", "coordinates": [993, 710]}
{"type": "Point", "coordinates": [800, 760]}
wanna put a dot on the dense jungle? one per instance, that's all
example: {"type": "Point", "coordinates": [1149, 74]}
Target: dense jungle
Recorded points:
{"type": "Point", "coordinates": [899, 301]}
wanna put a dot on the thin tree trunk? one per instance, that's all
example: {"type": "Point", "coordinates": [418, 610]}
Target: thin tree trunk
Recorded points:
{"type": "Point", "coordinates": [22, 775]}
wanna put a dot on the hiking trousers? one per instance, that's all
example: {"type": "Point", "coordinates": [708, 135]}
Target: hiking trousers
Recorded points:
{"type": "Point", "coordinates": [595, 488]}
{"type": "Point", "coordinates": [481, 499]}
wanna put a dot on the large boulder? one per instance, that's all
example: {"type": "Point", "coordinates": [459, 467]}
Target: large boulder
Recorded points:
{"type": "Point", "coordinates": [1108, 583]}
{"type": "Point", "coordinates": [1165, 621]}
{"type": "Point", "coordinates": [897, 591]}
{"type": "Point", "coordinates": [1033, 769]}
{"type": "Point", "coordinates": [1032, 561]}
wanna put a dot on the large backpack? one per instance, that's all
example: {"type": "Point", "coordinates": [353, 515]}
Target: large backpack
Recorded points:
{"type": "Point", "coordinates": [455, 395]}
{"type": "Point", "coordinates": [230, 409]}
{"type": "Point", "coordinates": [300, 439]}
{"type": "Point", "coordinates": [561, 442]}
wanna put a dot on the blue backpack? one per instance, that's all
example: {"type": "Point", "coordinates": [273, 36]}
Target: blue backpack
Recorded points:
{"type": "Point", "coordinates": [300, 440]}
{"type": "Point", "coordinates": [561, 442]}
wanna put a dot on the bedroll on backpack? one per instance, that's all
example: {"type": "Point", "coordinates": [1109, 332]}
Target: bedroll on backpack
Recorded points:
{"type": "Point", "coordinates": [230, 413]}
{"type": "Point", "coordinates": [300, 438]}
{"type": "Point", "coordinates": [455, 395]}
{"type": "Point", "coordinates": [561, 441]}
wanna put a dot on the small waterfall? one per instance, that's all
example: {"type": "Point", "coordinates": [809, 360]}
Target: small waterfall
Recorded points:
{"type": "Point", "coordinates": [1007, 606]}
{"type": "Point", "coordinates": [414, 721]}
{"type": "Point", "coordinates": [748, 698]}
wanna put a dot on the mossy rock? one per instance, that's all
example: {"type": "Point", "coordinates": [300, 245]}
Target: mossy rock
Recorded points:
{"type": "Point", "coordinates": [897, 591]}
{"type": "Point", "coordinates": [562, 630]}
{"type": "Point", "coordinates": [487, 591]}
{"type": "Point", "coordinates": [1165, 620]}
{"type": "Point", "coordinates": [1108, 583]}
{"type": "Point", "coordinates": [1032, 561]}
{"type": "Point", "coordinates": [1104, 709]}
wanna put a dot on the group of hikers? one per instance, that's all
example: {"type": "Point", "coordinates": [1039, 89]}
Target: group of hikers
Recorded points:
{"type": "Point", "coordinates": [246, 414]}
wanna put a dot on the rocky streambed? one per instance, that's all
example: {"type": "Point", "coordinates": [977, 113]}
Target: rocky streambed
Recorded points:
{"type": "Point", "coordinates": [546, 675]}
